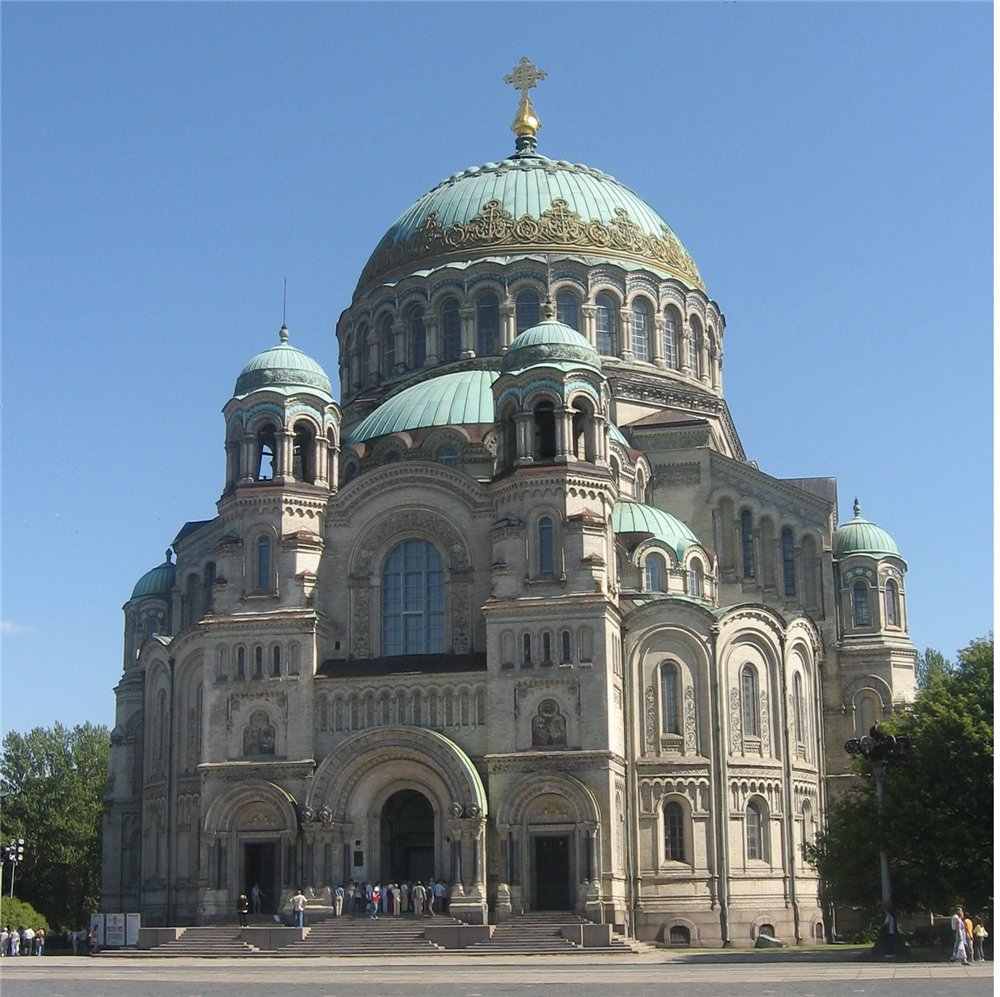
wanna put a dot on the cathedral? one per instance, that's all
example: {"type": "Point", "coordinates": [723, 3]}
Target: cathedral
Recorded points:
{"type": "Point", "coordinates": [516, 612]}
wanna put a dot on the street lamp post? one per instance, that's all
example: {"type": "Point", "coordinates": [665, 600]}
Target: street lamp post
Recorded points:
{"type": "Point", "coordinates": [880, 751]}
{"type": "Point", "coordinates": [13, 853]}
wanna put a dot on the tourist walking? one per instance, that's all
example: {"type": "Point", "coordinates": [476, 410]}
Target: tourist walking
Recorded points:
{"type": "Point", "coordinates": [27, 940]}
{"type": "Point", "coordinates": [958, 928]}
{"type": "Point", "coordinates": [979, 936]}
{"type": "Point", "coordinates": [4, 939]}
{"type": "Point", "coordinates": [967, 921]}
{"type": "Point", "coordinates": [299, 908]}
{"type": "Point", "coordinates": [92, 941]}
{"type": "Point", "coordinates": [40, 941]}
{"type": "Point", "coordinates": [338, 901]}
{"type": "Point", "coordinates": [419, 896]}
{"type": "Point", "coordinates": [440, 896]}
{"type": "Point", "coordinates": [244, 909]}
{"type": "Point", "coordinates": [255, 897]}
{"type": "Point", "coordinates": [405, 897]}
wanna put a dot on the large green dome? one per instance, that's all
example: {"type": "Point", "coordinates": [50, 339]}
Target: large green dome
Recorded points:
{"type": "Point", "coordinates": [550, 342]}
{"type": "Point", "coordinates": [530, 203]}
{"type": "Point", "coordinates": [158, 581]}
{"type": "Point", "coordinates": [283, 368]}
{"type": "Point", "coordinates": [861, 536]}
{"type": "Point", "coordinates": [633, 517]}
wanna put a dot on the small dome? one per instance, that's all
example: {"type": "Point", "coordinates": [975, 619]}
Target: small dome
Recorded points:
{"type": "Point", "coordinates": [283, 368]}
{"type": "Point", "coordinates": [861, 536]}
{"type": "Point", "coordinates": [550, 342]}
{"type": "Point", "coordinates": [632, 517]}
{"type": "Point", "coordinates": [461, 398]}
{"type": "Point", "coordinates": [158, 581]}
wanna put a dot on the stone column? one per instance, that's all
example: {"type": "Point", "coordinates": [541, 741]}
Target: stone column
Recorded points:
{"type": "Point", "coordinates": [468, 316]}
{"type": "Point", "coordinates": [248, 471]}
{"type": "Point", "coordinates": [564, 434]}
{"type": "Point", "coordinates": [432, 330]}
{"type": "Point", "coordinates": [625, 324]}
{"type": "Point", "coordinates": [718, 371]}
{"type": "Point", "coordinates": [687, 344]}
{"type": "Point", "coordinates": [507, 325]}
{"type": "Point", "coordinates": [589, 323]}
{"type": "Point", "coordinates": [600, 439]}
{"type": "Point", "coordinates": [524, 424]}
{"type": "Point", "coordinates": [706, 372]}
{"type": "Point", "coordinates": [283, 458]}
{"type": "Point", "coordinates": [656, 346]}
{"type": "Point", "coordinates": [320, 459]}
{"type": "Point", "coordinates": [333, 466]}
{"type": "Point", "coordinates": [373, 359]}
{"type": "Point", "coordinates": [399, 335]}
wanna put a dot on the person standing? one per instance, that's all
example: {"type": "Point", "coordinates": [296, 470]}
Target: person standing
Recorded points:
{"type": "Point", "coordinates": [419, 896]}
{"type": "Point", "coordinates": [40, 942]}
{"type": "Point", "coordinates": [967, 921]}
{"type": "Point", "coordinates": [244, 906]}
{"type": "Point", "coordinates": [27, 940]}
{"type": "Point", "coordinates": [4, 939]}
{"type": "Point", "coordinates": [255, 898]}
{"type": "Point", "coordinates": [958, 927]}
{"type": "Point", "coordinates": [299, 908]}
{"type": "Point", "coordinates": [338, 901]}
{"type": "Point", "coordinates": [979, 936]}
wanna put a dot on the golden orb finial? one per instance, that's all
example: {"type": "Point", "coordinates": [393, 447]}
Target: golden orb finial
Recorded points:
{"type": "Point", "coordinates": [524, 76]}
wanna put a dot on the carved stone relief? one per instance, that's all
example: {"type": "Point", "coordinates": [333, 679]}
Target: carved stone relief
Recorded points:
{"type": "Point", "coordinates": [690, 722]}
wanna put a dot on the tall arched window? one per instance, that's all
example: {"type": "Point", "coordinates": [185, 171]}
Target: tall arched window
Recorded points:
{"type": "Point", "coordinates": [756, 836]}
{"type": "Point", "coordinates": [808, 826]}
{"type": "Point", "coordinates": [656, 573]}
{"type": "Point", "coordinates": [362, 374]}
{"type": "Point", "coordinates": [487, 324]}
{"type": "Point", "coordinates": [258, 662]}
{"type": "Point", "coordinates": [526, 649]}
{"type": "Point", "coordinates": [861, 605]}
{"type": "Point", "coordinates": [750, 697]}
{"type": "Point", "coordinates": [568, 309]}
{"type": "Point", "coordinates": [413, 600]}
{"type": "Point", "coordinates": [388, 340]}
{"type": "Point", "coordinates": [640, 486]}
{"type": "Point", "coordinates": [526, 309]}
{"type": "Point", "coordinates": [606, 320]}
{"type": "Point", "coordinates": [799, 709]}
{"type": "Point", "coordinates": [208, 586]}
{"type": "Point", "coordinates": [266, 453]}
{"type": "Point", "coordinates": [810, 596]}
{"type": "Point", "coordinates": [671, 337]}
{"type": "Point", "coordinates": [673, 832]}
{"type": "Point", "coordinates": [545, 431]}
{"type": "Point", "coordinates": [264, 564]}
{"type": "Point", "coordinates": [696, 579]}
{"type": "Point", "coordinates": [746, 543]}
{"type": "Point", "coordinates": [546, 559]}
{"type": "Point", "coordinates": [670, 697]}
{"type": "Point", "coordinates": [276, 661]}
{"type": "Point", "coordinates": [241, 663]}
{"type": "Point", "coordinates": [451, 330]}
{"type": "Point", "coordinates": [788, 560]}
{"type": "Point", "coordinates": [418, 336]}
{"type": "Point", "coordinates": [303, 453]}
{"type": "Point", "coordinates": [891, 604]}
{"type": "Point", "coordinates": [642, 327]}
{"type": "Point", "coordinates": [567, 647]}
{"type": "Point", "coordinates": [697, 348]}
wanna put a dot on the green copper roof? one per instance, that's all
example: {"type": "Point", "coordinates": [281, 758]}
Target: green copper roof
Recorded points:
{"type": "Point", "coordinates": [529, 200]}
{"type": "Point", "coordinates": [861, 536]}
{"type": "Point", "coordinates": [548, 342]}
{"type": "Point", "coordinates": [461, 398]}
{"type": "Point", "coordinates": [283, 368]}
{"type": "Point", "coordinates": [156, 581]}
{"type": "Point", "coordinates": [632, 517]}
{"type": "Point", "coordinates": [617, 435]}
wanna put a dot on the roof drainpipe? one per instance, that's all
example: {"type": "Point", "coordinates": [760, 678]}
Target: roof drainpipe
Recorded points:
{"type": "Point", "coordinates": [789, 797]}
{"type": "Point", "coordinates": [170, 795]}
{"type": "Point", "coordinates": [719, 779]}
{"type": "Point", "coordinates": [632, 787]}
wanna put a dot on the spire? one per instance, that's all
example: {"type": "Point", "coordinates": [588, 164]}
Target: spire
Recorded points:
{"type": "Point", "coordinates": [283, 331]}
{"type": "Point", "coordinates": [857, 508]}
{"type": "Point", "coordinates": [523, 77]}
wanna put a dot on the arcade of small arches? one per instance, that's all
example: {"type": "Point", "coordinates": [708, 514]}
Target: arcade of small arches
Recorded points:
{"type": "Point", "coordinates": [270, 450]}
{"type": "Point", "coordinates": [673, 329]}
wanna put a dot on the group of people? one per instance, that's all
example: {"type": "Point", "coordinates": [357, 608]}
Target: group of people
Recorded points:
{"type": "Point", "coordinates": [22, 941]}
{"type": "Point", "coordinates": [970, 935]}
{"type": "Point", "coordinates": [393, 899]}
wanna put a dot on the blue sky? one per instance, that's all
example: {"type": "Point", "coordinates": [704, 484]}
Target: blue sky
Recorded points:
{"type": "Point", "coordinates": [829, 167]}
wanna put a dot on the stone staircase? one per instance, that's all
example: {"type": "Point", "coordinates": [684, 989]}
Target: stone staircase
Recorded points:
{"type": "Point", "coordinates": [221, 940]}
{"type": "Point", "coordinates": [402, 935]}
{"type": "Point", "coordinates": [539, 933]}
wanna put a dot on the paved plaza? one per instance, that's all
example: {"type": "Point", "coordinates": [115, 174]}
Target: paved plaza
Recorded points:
{"type": "Point", "coordinates": [463, 976]}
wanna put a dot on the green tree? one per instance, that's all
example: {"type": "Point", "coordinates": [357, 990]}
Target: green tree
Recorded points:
{"type": "Point", "coordinates": [937, 824]}
{"type": "Point", "coordinates": [930, 665]}
{"type": "Point", "coordinates": [52, 784]}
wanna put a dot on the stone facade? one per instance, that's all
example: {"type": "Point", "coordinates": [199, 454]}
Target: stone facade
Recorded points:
{"type": "Point", "coordinates": [431, 651]}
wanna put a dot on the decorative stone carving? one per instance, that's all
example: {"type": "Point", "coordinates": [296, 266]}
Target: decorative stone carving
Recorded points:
{"type": "Point", "coordinates": [548, 726]}
{"type": "Point", "coordinates": [690, 722]}
{"type": "Point", "coordinates": [258, 735]}
{"type": "Point", "coordinates": [735, 718]}
{"type": "Point", "coordinates": [765, 727]}
{"type": "Point", "coordinates": [650, 719]}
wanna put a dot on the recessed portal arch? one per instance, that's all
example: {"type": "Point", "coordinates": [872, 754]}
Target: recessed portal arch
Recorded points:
{"type": "Point", "coordinates": [407, 833]}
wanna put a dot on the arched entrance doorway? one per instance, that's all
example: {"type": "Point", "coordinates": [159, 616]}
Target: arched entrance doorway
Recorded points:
{"type": "Point", "coordinates": [407, 835]}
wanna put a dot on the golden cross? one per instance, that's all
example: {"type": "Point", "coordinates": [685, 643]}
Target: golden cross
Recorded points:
{"type": "Point", "coordinates": [524, 76]}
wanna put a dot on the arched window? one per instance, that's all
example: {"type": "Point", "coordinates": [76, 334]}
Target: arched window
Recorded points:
{"type": "Point", "coordinates": [697, 348]}
{"type": "Point", "coordinates": [891, 604]}
{"type": "Point", "coordinates": [303, 451]}
{"type": "Point", "coordinates": [487, 324]}
{"type": "Point", "coordinates": [568, 309]}
{"type": "Point", "coordinates": [756, 836]}
{"type": "Point", "coordinates": [546, 648]}
{"type": "Point", "coordinates": [413, 600]}
{"type": "Point", "coordinates": [680, 935]}
{"type": "Point", "coordinates": [583, 444]}
{"type": "Point", "coordinates": [567, 647]}
{"type": "Point", "coordinates": [241, 663]}
{"type": "Point", "coordinates": [276, 661]}
{"type": "Point", "coordinates": [642, 326]}
{"type": "Point", "coordinates": [545, 431]}
{"type": "Point", "coordinates": [673, 832]}
{"type": "Point", "coordinates": [258, 662]}
{"type": "Point", "coordinates": [750, 695]}
{"type": "Point", "coordinates": [264, 564]}
{"type": "Point", "coordinates": [746, 543]}
{"type": "Point", "coordinates": [788, 560]}
{"type": "Point", "coordinates": [546, 560]}
{"type": "Point", "coordinates": [526, 649]}
{"type": "Point", "coordinates": [640, 486]}
{"type": "Point", "coordinates": [506, 648]}
{"type": "Point", "coordinates": [266, 451]}
{"type": "Point", "coordinates": [862, 607]}
{"type": "Point", "coordinates": [656, 573]}
{"type": "Point", "coordinates": [363, 375]}
{"type": "Point", "coordinates": [808, 563]}
{"type": "Point", "coordinates": [208, 588]}
{"type": "Point", "coordinates": [448, 455]}
{"type": "Point", "coordinates": [222, 664]}
{"type": "Point", "coordinates": [808, 826]}
{"type": "Point", "coordinates": [418, 336]}
{"type": "Point", "coordinates": [670, 698]}
{"type": "Point", "coordinates": [868, 711]}
{"type": "Point", "coordinates": [606, 317]}
{"type": "Point", "coordinates": [799, 709]}
{"type": "Point", "coordinates": [451, 330]}
{"type": "Point", "coordinates": [616, 471]}
{"type": "Point", "coordinates": [696, 579]}
{"type": "Point", "coordinates": [671, 337]}
{"type": "Point", "coordinates": [526, 309]}
{"type": "Point", "coordinates": [388, 340]}
{"type": "Point", "coordinates": [192, 599]}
